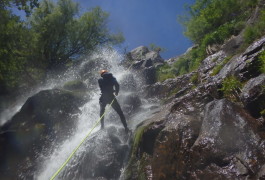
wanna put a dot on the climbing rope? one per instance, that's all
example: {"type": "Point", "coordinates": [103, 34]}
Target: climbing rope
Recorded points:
{"type": "Point", "coordinates": [72, 154]}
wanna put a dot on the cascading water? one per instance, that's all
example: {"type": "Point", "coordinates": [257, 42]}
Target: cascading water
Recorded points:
{"type": "Point", "coordinates": [104, 152]}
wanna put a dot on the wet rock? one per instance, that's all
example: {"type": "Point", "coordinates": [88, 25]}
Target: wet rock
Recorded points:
{"type": "Point", "coordinates": [170, 159]}
{"type": "Point", "coordinates": [42, 120]}
{"type": "Point", "coordinates": [102, 156]}
{"type": "Point", "coordinates": [76, 85]}
{"type": "Point", "coordinates": [129, 83]}
{"type": "Point", "coordinates": [149, 75]}
{"type": "Point", "coordinates": [245, 65]}
{"type": "Point", "coordinates": [253, 95]}
{"type": "Point", "coordinates": [144, 62]}
{"type": "Point", "coordinates": [169, 87]}
{"type": "Point", "coordinates": [192, 102]}
{"type": "Point", "coordinates": [227, 133]}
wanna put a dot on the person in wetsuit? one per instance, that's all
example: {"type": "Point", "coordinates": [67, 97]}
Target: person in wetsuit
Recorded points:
{"type": "Point", "coordinates": [107, 82]}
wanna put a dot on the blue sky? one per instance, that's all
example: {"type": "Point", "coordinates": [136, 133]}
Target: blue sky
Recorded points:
{"type": "Point", "coordinates": [146, 21]}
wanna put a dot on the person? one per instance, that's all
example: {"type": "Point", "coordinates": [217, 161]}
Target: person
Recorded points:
{"type": "Point", "coordinates": [107, 83]}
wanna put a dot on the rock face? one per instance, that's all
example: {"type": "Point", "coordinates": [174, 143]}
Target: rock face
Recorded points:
{"type": "Point", "coordinates": [102, 157]}
{"type": "Point", "coordinates": [253, 95]}
{"type": "Point", "coordinates": [200, 133]}
{"type": "Point", "coordinates": [143, 61]}
{"type": "Point", "coordinates": [45, 118]}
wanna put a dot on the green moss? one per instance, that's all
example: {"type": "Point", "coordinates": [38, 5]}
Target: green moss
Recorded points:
{"type": "Point", "coordinates": [134, 163]}
{"type": "Point", "coordinates": [262, 112]}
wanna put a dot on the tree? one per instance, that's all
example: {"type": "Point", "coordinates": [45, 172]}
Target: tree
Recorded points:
{"type": "Point", "coordinates": [63, 36]}
{"type": "Point", "coordinates": [14, 50]}
{"type": "Point", "coordinates": [216, 19]}
{"type": "Point", "coordinates": [26, 5]}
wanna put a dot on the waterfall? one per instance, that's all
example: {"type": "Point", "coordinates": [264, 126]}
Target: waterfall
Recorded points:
{"type": "Point", "coordinates": [50, 162]}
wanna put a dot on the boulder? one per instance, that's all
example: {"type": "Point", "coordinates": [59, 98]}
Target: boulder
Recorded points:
{"type": "Point", "coordinates": [44, 119]}
{"type": "Point", "coordinates": [225, 144]}
{"type": "Point", "coordinates": [139, 52]}
{"type": "Point", "coordinates": [253, 95]}
{"type": "Point", "coordinates": [245, 65]}
{"type": "Point", "coordinates": [229, 144]}
{"type": "Point", "coordinates": [144, 62]}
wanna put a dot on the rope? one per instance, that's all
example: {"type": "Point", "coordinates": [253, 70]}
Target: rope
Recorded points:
{"type": "Point", "coordinates": [72, 154]}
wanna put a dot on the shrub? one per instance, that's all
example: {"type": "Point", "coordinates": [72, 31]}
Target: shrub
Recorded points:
{"type": "Point", "coordinates": [231, 87]}
{"type": "Point", "coordinates": [261, 60]}
{"type": "Point", "coordinates": [164, 72]}
{"type": "Point", "coordinates": [195, 78]}
{"type": "Point", "coordinates": [255, 31]}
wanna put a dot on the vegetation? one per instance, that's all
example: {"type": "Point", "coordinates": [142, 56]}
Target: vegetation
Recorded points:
{"type": "Point", "coordinates": [53, 36]}
{"type": "Point", "coordinates": [26, 5]}
{"type": "Point", "coordinates": [231, 87]}
{"type": "Point", "coordinates": [255, 31]}
{"type": "Point", "coordinates": [211, 22]}
{"type": "Point", "coordinates": [164, 72]}
{"type": "Point", "coordinates": [262, 62]}
{"type": "Point", "coordinates": [195, 78]}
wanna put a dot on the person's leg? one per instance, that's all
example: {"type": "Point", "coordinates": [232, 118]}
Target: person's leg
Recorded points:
{"type": "Point", "coordinates": [102, 111]}
{"type": "Point", "coordinates": [117, 108]}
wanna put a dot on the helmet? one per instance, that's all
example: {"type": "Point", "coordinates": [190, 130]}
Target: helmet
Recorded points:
{"type": "Point", "coordinates": [102, 72]}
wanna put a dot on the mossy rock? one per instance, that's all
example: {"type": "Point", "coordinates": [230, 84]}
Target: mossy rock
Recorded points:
{"type": "Point", "coordinates": [75, 85]}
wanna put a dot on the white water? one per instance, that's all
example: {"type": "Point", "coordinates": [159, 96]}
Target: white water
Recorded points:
{"type": "Point", "coordinates": [87, 119]}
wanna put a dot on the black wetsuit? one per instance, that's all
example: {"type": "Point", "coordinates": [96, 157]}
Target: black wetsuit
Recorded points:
{"type": "Point", "coordinates": [107, 84]}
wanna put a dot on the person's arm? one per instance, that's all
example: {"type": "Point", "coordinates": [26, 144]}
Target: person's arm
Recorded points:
{"type": "Point", "coordinates": [117, 86]}
{"type": "Point", "coordinates": [100, 84]}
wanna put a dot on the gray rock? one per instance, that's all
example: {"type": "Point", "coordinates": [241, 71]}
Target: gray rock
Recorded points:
{"type": "Point", "coordinates": [44, 119]}
{"type": "Point", "coordinates": [253, 95]}
{"type": "Point", "coordinates": [102, 156]}
{"type": "Point", "coordinates": [227, 132]}
{"type": "Point", "coordinates": [139, 52]}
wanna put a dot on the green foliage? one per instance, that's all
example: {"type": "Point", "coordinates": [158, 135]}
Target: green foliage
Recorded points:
{"type": "Point", "coordinates": [195, 78]}
{"type": "Point", "coordinates": [231, 87]}
{"type": "Point", "coordinates": [62, 35]}
{"type": "Point", "coordinates": [26, 5]}
{"type": "Point", "coordinates": [255, 31]}
{"type": "Point", "coordinates": [263, 112]}
{"type": "Point", "coordinates": [14, 49]}
{"type": "Point", "coordinates": [212, 21]}
{"type": "Point", "coordinates": [261, 60]}
{"type": "Point", "coordinates": [54, 35]}
{"type": "Point", "coordinates": [164, 72]}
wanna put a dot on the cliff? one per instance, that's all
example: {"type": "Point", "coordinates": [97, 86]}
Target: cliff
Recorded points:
{"type": "Point", "coordinates": [211, 122]}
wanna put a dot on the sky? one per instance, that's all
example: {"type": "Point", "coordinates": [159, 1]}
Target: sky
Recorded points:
{"type": "Point", "coordinates": [144, 22]}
